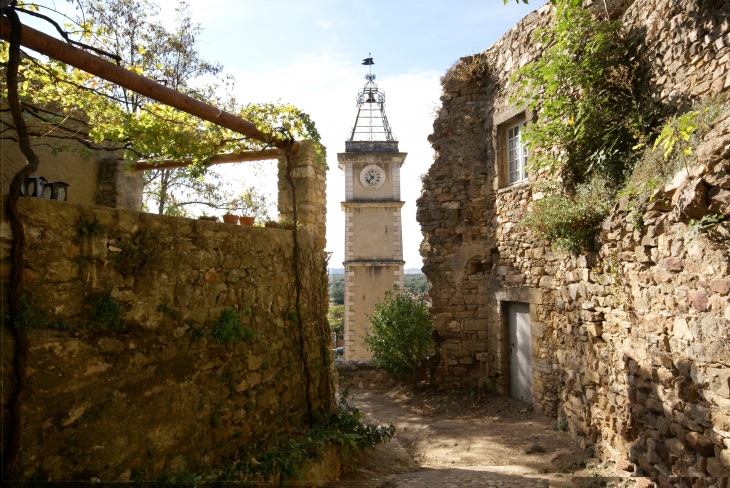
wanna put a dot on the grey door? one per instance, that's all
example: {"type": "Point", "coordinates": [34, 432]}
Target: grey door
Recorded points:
{"type": "Point", "coordinates": [520, 351]}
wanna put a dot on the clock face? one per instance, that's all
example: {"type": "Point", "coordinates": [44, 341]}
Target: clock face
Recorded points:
{"type": "Point", "coordinates": [372, 177]}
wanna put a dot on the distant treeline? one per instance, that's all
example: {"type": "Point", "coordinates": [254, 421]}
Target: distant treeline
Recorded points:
{"type": "Point", "coordinates": [415, 283]}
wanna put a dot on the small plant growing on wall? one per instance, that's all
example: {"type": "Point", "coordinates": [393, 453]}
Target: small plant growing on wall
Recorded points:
{"type": "Point", "coordinates": [136, 254]}
{"type": "Point", "coordinates": [107, 312]}
{"type": "Point", "coordinates": [89, 228]}
{"type": "Point", "coordinates": [401, 334]}
{"type": "Point", "coordinates": [228, 329]}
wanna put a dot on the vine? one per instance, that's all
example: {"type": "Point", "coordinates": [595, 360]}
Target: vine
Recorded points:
{"type": "Point", "coordinates": [298, 283]}
{"type": "Point", "coordinates": [12, 460]}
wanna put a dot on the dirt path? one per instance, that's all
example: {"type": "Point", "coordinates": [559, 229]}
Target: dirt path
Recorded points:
{"type": "Point", "coordinates": [456, 440]}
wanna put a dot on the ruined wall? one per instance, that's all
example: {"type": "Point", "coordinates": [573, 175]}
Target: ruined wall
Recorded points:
{"type": "Point", "coordinates": [630, 344]}
{"type": "Point", "coordinates": [162, 395]}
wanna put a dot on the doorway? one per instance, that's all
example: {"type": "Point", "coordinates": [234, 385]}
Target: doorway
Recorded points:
{"type": "Point", "coordinates": [520, 351]}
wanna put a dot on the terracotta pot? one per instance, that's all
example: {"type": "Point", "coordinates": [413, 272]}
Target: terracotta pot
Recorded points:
{"type": "Point", "coordinates": [230, 219]}
{"type": "Point", "coordinates": [248, 221]}
{"type": "Point", "coordinates": [289, 227]}
{"type": "Point", "coordinates": [271, 225]}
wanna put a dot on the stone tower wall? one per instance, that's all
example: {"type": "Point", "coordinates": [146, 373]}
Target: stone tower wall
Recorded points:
{"type": "Point", "coordinates": [629, 344]}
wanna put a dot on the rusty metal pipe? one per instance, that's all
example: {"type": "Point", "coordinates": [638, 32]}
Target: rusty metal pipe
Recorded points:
{"type": "Point", "coordinates": [220, 159]}
{"type": "Point", "coordinates": [53, 48]}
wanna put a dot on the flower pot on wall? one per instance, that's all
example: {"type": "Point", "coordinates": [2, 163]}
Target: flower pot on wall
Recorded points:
{"type": "Point", "coordinates": [248, 221]}
{"type": "Point", "coordinates": [271, 225]}
{"type": "Point", "coordinates": [230, 219]}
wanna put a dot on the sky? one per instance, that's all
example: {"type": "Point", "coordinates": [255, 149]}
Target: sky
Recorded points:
{"type": "Point", "coordinates": [308, 53]}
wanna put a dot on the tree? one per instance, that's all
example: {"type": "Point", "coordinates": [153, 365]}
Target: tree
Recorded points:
{"type": "Point", "coordinates": [61, 102]}
{"type": "Point", "coordinates": [337, 289]}
{"type": "Point", "coordinates": [400, 337]}
{"type": "Point", "coordinates": [336, 319]}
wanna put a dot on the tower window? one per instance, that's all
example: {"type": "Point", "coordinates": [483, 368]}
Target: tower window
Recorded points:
{"type": "Point", "coordinates": [516, 154]}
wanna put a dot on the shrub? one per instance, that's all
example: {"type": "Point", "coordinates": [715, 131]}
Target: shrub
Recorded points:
{"type": "Point", "coordinates": [569, 223]}
{"type": "Point", "coordinates": [671, 152]}
{"type": "Point", "coordinates": [400, 335]}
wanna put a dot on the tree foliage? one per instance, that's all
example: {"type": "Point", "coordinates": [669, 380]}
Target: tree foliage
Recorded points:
{"type": "Point", "coordinates": [400, 337]}
{"type": "Point", "coordinates": [336, 319]}
{"type": "Point", "coordinates": [582, 88]}
{"type": "Point", "coordinates": [62, 103]}
{"type": "Point", "coordinates": [337, 288]}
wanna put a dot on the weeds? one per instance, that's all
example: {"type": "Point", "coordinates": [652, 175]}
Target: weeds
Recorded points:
{"type": "Point", "coordinates": [535, 448]}
{"type": "Point", "coordinates": [228, 329]}
{"type": "Point", "coordinates": [572, 466]}
{"type": "Point", "coordinates": [88, 228]}
{"type": "Point", "coordinates": [467, 70]}
{"type": "Point", "coordinates": [107, 312]}
{"type": "Point", "coordinates": [562, 425]}
{"type": "Point", "coordinates": [341, 428]}
{"type": "Point", "coordinates": [168, 312]}
{"type": "Point", "coordinates": [136, 254]}
{"type": "Point", "coordinates": [32, 317]}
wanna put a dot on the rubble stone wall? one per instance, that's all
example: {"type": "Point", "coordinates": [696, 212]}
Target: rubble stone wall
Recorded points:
{"type": "Point", "coordinates": [631, 343]}
{"type": "Point", "coordinates": [162, 394]}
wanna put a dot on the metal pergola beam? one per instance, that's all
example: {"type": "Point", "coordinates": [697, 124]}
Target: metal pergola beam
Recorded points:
{"type": "Point", "coordinates": [61, 51]}
{"type": "Point", "coordinates": [220, 159]}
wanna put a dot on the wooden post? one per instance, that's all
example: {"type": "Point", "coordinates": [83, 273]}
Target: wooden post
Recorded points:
{"type": "Point", "coordinates": [53, 48]}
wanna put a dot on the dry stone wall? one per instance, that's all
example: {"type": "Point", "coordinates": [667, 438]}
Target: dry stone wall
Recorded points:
{"type": "Point", "coordinates": [629, 344]}
{"type": "Point", "coordinates": [162, 394]}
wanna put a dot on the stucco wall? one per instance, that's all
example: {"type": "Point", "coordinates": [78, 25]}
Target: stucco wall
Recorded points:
{"type": "Point", "coordinates": [373, 281]}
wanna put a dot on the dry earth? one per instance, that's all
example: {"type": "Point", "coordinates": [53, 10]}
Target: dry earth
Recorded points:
{"type": "Point", "coordinates": [459, 440]}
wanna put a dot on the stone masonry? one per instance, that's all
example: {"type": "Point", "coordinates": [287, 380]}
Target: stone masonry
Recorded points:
{"type": "Point", "coordinates": [630, 344]}
{"type": "Point", "coordinates": [162, 395]}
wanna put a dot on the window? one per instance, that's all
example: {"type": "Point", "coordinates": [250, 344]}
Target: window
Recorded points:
{"type": "Point", "coordinates": [516, 154]}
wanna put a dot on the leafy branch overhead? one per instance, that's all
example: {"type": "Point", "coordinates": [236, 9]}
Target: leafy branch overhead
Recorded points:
{"type": "Point", "coordinates": [63, 104]}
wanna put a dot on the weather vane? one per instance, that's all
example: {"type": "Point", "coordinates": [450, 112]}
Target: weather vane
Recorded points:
{"type": "Point", "coordinates": [371, 123]}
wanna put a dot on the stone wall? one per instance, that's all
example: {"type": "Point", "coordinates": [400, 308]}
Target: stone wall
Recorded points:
{"type": "Point", "coordinates": [362, 375]}
{"type": "Point", "coordinates": [162, 395]}
{"type": "Point", "coordinates": [630, 343]}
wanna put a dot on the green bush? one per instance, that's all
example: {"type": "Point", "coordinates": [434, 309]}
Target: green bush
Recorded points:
{"type": "Point", "coordinates": [570, 224]}
{"type": "Point", "coordinates": [400, 335]}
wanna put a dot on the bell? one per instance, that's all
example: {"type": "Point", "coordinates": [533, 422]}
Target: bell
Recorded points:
{"type": "Point", "coordinates": [371, 98]}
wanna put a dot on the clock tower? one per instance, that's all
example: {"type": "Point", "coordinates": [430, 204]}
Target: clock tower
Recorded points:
{"type": "Point", "coordinates": [372, 206]}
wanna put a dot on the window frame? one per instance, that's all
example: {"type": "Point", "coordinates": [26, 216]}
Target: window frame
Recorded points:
{"type": "Point", "coordinates": [521, 160]}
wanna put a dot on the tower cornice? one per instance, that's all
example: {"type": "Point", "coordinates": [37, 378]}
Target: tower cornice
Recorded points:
{"type": "Point", "coordinates": [370, 157]}
{"type": "Point", "coordinates": [372, 203]}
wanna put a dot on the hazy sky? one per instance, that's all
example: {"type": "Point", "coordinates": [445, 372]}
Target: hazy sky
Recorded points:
{"type": "Point", "coordinates": [308, 53]}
